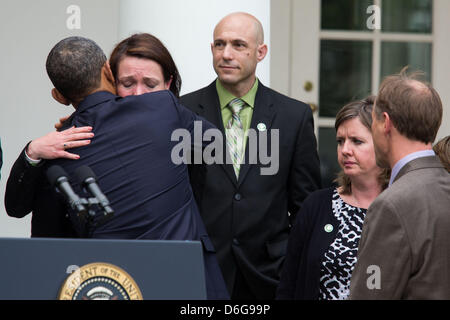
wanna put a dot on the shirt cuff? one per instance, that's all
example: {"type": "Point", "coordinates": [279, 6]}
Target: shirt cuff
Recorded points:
{"type": "Point", "coordinates": [32, 162]}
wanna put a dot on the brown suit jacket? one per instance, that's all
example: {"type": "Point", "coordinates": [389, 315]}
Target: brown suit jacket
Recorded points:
{"type": "Point", "coordinates": [404, 251]}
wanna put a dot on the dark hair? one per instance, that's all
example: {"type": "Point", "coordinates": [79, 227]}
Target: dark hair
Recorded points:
{"type": "Point", "coordinates": [362, 110]}
{"type": "Point", "coordinates": [442, 150]}
{"type": "Point", "coordinates": [413, 105]}
{"type": "Point", "coordinates": [147, 46]}
{"type": "Point", "coordinates": [74, 66]}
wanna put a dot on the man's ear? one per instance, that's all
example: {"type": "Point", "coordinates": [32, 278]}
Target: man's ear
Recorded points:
{"type": "Point", "coordinates": [59, 97]}
{"type": "Point", "coordinates": [387, 125]}
{"type": "Point", "coordinates": [108, 73]}
{"type": "Point", "coordinates": [262, 52]}
{"type": "Point", "coordinates": [107, 79]}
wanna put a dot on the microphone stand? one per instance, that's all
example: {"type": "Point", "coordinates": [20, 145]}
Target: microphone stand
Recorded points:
{"type": "Point", "coordinates": [87, 216]}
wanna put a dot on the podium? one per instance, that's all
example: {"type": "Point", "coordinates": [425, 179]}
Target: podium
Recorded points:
{"type": "Point", "coordinates": [45, 269]}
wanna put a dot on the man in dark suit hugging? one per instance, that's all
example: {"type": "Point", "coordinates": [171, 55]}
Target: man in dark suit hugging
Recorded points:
{"type": "Point", "coordinates": [131, 155]}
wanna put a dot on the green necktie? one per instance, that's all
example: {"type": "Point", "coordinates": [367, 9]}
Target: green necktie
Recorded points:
{"type": "Point", "coordinates": [235, 134]}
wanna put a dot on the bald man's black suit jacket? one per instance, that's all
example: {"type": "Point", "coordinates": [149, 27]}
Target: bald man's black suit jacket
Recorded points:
{"type": "Point", "coordinates": [247, 218]}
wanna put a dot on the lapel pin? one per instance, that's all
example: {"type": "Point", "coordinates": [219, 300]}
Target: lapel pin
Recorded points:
{"type": "Point", "coordinates": [261, 126]}
{"type": "Point", "coordinates": [328, 228]}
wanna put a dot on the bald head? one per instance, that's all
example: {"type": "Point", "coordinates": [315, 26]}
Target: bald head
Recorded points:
{"type": "Point", "coordinates": [237, 48]}
{"type": "Point", "coordinates": [243, 21]}
{"type": "Point", "coordinates": [418, 87]}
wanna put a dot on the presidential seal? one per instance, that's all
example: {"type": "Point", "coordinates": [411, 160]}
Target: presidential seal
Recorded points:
{"type": "Point", "coordinates": [99, 281]}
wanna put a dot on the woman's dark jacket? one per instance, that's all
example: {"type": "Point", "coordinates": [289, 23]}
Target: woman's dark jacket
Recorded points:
{"type": "Point", "coordinates": [307, 245]}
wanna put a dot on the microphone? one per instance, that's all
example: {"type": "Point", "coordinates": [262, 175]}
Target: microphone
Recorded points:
{"type": "Point", "coordinates": [58, 179]}
{"type": "Point", "coordinates": [86, 178]}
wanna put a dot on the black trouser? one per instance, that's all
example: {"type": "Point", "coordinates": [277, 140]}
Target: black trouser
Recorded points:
{"type": "Point", "coordinates": [241, 290]}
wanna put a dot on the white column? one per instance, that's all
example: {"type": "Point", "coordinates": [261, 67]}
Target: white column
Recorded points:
{"type": "Point", "coordinates": [441, 61]}
{"type": "Point", "coordinates": [186, 29]}
{"type": "Point", "coordinates": [29, 30]}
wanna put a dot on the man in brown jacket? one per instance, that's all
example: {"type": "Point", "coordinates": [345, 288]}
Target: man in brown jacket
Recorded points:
{"type": "Point", "coordinates": [404, 252]}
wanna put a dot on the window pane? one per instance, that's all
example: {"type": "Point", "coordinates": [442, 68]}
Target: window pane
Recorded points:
{"type": "Point", "coordinates": [396, 55]}
{"type": "Point", "coordinates": [406, 16]}
{"type": "Point", "coordinates": [345, 14]}
{"type": "Point", "coordinates": [345, 74]}
{"type": "Point", "coordinates": [329, 166]}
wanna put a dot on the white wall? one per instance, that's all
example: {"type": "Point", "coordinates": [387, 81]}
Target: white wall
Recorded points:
{"type": "Point", "coordinates": [28, 30]}
{"type": "Point", "coordinates": [186, 29]}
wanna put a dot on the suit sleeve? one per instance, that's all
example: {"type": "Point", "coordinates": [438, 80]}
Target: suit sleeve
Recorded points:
{"type": "Point", "coordinates": [196, 125]}
{"type": "Point", "coordinates": [21, 187]}
{"type": "Point", "coordinates": [189, 119]}
{"type": "Point", "coordinates": [304, 176]}
{"type": "Point", "coordinates": [384, 256]}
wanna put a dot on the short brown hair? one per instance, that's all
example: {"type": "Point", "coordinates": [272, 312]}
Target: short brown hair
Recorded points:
{"type": "Point", "coordinates": [361, 109]}
{"type": "Point", "coordinates": [442, 150]}
{"type": "Point", "coordinates": [74, 65]}
{"type": "Point", "coordinates": [414, 107]}
{"type": "Point", "coordinates": [147, 46]}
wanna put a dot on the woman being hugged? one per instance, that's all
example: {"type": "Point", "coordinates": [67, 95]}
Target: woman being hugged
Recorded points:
{"type": "Point", "coordinates": [141, 64]}
{"type": "Point", "coordinates": [323, 244]}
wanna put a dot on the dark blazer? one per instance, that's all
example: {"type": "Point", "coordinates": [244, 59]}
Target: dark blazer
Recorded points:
{"type": "Point", "coordinates": [247, 218]}
{"type": "Point", "coordinates": [25, 192]}
{"type": "Point", "coordinates": [308, 243]}
{"type": "Point", "coordinates": [405, 238]}
{"type": "Point", "coordinates": [131, 156]}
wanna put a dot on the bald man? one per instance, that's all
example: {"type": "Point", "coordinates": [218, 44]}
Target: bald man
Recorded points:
{"type": "Point", "coordinates": [248, 212]}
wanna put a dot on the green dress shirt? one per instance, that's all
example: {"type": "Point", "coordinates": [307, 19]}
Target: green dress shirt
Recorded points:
{"type": "Point", "coordinates": [246, 113]}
